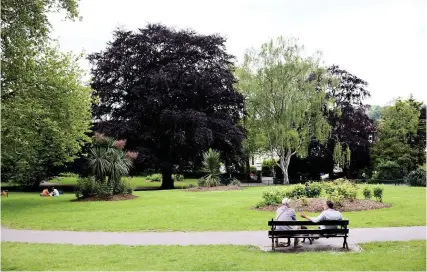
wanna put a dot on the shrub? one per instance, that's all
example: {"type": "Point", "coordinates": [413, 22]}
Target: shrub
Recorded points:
{"type": "Point", "coordinates": [177, 177]}
{"type": "Point", "coordinates": [304, 201]}
{"type": "Point", "coordinates": [154, 177]}
{"type": "Point", "coordinates": [388, 171]}
{"type": "Point", "coordinates": [209, 181]}
{"type": "Point", "coordinates": [296, 191]}
{"type": "Point", "coordinates": [234, 182]}
{"type": "Point", "coordinates": [69, 175]}
{"type": "Point", "coordinates": [314, 189]}
{"type": "Point", "coordinates": [86, 187]}
{"type": "Point", "coordinates": [273, 196]}
{"type": "Point", "coordinates": [416, 177]}
{"type": "Point", "coordinates": [191, 185]}
{"type": "Point", "coordinates": [329, 187]}
{"type": "Point", "coordinates": [124, 187]}
{"type": "Point", "coordinates": [252, 169]}
{"type": "Point", "coordinates": [378, 193]}
{"type": "Point", "coordinates": [336, 198]}
{"type": "Point", "coordinates": [348, 191]}
{"type": "Point", "coordinates": [367, 193]}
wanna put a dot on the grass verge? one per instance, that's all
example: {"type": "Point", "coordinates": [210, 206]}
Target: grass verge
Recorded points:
{"type": "Point", "coordinates": [392, 256]}
{"type": "Point", "coordinates": [179, 210]}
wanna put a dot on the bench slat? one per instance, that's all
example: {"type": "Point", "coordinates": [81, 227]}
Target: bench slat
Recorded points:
{"type": "Point", "coordinates": [317, 231]}
{"type": "Point", "coordinates": [308, 223]}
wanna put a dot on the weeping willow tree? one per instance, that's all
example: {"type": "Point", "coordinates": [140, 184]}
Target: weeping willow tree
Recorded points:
{"type": "Point", "coordinates": [285, 94]}
{"type": "Point", "coordinates": [342, 155]}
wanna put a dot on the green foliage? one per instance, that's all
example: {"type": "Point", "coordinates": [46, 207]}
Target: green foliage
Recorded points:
{"type": "Point", "coordinates": [123, 187]}
{"type": "Point", "coordinates": [68, 175]}
{"type": "Point", "coordinates": [378, 193]}
{"type": "Point", "coordinates": [86, 187]}
{"type": "Point", "coordinates": [269, 163]}
{"type": "Point", "coordinates": [154, 177]}
{"type": "Point", "coordinates": [235, 182]}
{"type": "Point", "coordinates": [386, 171]}
{"type": "Point", "coordinates": [304, 201]}
{"type": "Point", "coordinates": [296, 191]}
{"type": "Point", "coordinates": [108, 159]}
{"type": "Point", "coordinates": [252, 169]}
{"type": "Point", "coordinates": [336, 198]}
{"type": "Point", "coordinates": [342, 156]}
{"type": "Point", "coordinates": [417, 177]}
{"type": "Point", "coordinates": [273, 196]}
{"type": "Point", "coordinates": [285, 94]}
{"type": "Point", "coordinates": [211, 164]}
{"type": "Point", "coordinates": [177, 177]}
{"type": "Point", "coordinates": [367, 193]}
{"type": "Point", "coordinates": [45, 116]}
{"type": "Point", "coordinates": [398, 125]}
{"type": "Point", "coordinates": [314, 190]}
{"type": "Point", "coordinates": [209, 181]}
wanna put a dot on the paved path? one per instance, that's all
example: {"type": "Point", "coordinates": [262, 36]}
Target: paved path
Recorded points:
{"type": "Point", "coordinates": [258, 238]}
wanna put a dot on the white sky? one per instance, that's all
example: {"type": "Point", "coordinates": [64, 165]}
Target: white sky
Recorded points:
{"type": "Point", "coordinates": [382, 42]}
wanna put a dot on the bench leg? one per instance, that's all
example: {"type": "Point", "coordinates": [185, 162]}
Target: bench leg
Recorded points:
{"type": "Point", "coordinates": [272, 243]}
{"type": "Point", "coordinates": [345, 245]}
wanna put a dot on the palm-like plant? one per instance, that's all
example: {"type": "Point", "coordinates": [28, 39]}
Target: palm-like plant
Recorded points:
{"type": "Point", "coordinates": [108, 159]}
{"type": "Point", "coordinates": [211, 164]}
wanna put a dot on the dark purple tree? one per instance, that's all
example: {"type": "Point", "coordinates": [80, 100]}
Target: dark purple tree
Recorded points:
{"type": "Point", "coordinates": [170, 94]}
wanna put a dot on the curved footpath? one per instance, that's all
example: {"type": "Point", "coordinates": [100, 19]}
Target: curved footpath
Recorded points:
{"type": "Point", "coordinates": [257, 238]}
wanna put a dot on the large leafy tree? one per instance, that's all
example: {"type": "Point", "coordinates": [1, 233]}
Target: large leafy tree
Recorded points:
{"type": "Point", "coordinates": [25, 31]}
{"type": "Point", "coordinates": [44, 124]}
{"type": "Point", "coordinates": [285, 96]}
{"type": "Point", "coordinates": [170, 94]}
{"type": "Point", "coordinates": [45, 106]}
{"type": "Point", "coordinates": [398, 123]}
{"type": "Point", "coordinates": [417, 141]}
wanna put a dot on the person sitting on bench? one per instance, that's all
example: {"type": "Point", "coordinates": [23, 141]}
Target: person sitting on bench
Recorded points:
{"type": "Point", "coordinates": [284, 213]}
{"type": "Point", "coordinates": [328, 214]}
{"type": "Point", "coordinates": [45, 192]}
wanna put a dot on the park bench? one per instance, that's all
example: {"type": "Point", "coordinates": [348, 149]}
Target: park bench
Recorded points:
{"type": "Point", "coordinates": [340, 232]}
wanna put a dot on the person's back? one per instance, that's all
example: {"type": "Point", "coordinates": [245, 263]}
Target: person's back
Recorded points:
{"type": "Point", "coordinates": [45, 192]}
{"type": "Point", "coordinates": [327, 215]}
{"type": "Point", "coordinates": [284, 213]}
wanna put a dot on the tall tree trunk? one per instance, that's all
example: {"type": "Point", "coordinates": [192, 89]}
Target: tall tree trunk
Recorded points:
{"type": "Point", "coordinates": [167, 181]}
{"type": "Point", "coordinates": [284, 164]}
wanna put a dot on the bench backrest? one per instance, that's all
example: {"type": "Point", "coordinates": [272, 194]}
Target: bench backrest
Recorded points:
{"type": "Point", "coordinates": [342, 223]}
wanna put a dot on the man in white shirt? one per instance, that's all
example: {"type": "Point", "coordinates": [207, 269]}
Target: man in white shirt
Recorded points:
{"type": "Point", "coordinates": [54, 192]}
{"type": "Point", "coordinates": [328, 214]}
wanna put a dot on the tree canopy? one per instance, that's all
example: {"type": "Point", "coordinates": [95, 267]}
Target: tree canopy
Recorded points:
{"type": "Point", "coordinates": [170, 94]}
{"type": "Point", "coordinates": [398, 123]}
{"type": "Point", "coordinates": [45, 124]}
{"type": "Point", "coordinates": [285, 96]}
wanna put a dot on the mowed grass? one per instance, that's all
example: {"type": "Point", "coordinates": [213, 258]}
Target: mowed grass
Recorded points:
{"type": "Point", "coordinates": [137, 182]}
{"type": "Point", "coordinates": [392, 256]}
{"type": "Point", "coordinates": [181, 210]}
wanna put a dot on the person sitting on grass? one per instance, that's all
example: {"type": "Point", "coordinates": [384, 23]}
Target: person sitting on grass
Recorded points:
{"type": "Point", "coordinates": [45, 192]}
{"type": "Point", "coordinates": [284, 213]}
{"type": "Point", "coordinates": [328, 214]}
{"type": "Point", "coordinates": [54, 192]}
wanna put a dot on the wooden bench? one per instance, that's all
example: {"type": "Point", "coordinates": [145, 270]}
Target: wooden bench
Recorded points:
{"type": "Point", "coordinates": [340, 232]}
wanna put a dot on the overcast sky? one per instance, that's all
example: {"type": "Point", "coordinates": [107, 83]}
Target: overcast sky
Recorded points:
{"type": "Point", "coordinates": [382, 42]}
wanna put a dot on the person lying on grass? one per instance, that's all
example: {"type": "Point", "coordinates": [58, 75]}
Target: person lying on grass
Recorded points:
{"type": "Point", "coordinates": [328, 214]}
{"type": "Point", "coordinates": [54, 192]}
{"type": "Point", "coordinates": [284, 213]}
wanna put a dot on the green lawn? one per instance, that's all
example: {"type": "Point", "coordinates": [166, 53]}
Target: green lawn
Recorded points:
{"type": "Point", "coordinates": [138, 182]}
{"type": "Point", "coordinates": [392, 256]}
{"type": "Point", "coordinates": [178, 210]}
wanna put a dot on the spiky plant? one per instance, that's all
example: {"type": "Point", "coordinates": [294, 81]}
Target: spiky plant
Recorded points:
{"type": "Point", "coordinates": [211, 164]}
